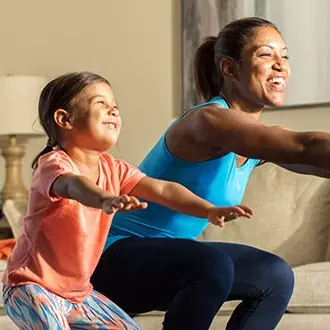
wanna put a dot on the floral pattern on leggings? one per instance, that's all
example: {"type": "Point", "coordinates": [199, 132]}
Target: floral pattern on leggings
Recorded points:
{"type": "Point", "coordinates": [32, 307]}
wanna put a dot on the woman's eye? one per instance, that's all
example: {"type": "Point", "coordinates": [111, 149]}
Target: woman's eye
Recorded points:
{"type": "Point", "coordinates": [101, 102]}
{"type": "Point", "coordinates": [286, 57]}
{"type": "Point", "coordinates": [265, 55]}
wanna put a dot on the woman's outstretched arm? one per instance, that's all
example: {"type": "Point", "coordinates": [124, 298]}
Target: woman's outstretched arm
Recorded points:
{"type": "Point", "coordinates": [239, 132]}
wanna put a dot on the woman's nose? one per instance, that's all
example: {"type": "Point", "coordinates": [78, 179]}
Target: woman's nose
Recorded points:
{"type": "Point", "coordinates": [281, 64]}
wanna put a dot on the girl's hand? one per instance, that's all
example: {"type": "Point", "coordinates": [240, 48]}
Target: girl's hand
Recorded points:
{"type": "Point", "coordinates": [219, 215]}
{"type": "Point", "coordinates": [122, 203]}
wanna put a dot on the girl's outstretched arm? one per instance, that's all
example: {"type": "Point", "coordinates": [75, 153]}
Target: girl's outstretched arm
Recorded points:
{"type": "Point", "coordinates": [180, 199]}
{"type": "Point", "coordinates": [85, 191]}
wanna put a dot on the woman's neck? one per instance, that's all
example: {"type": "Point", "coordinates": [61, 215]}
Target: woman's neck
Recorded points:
{"type": "Point", "coordinates": [238, 103]}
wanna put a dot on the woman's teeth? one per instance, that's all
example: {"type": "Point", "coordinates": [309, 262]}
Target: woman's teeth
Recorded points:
{"type": "Point", "coordinates": [277, 80]}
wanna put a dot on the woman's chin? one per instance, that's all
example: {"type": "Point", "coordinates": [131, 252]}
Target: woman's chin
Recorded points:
{"type": "Point", "coordinates": [275, 102]}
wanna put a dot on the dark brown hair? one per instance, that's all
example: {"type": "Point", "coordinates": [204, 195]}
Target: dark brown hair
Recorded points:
{"type": "Point", "coordinates": [61, 93]}
{"type": "Point", "coordinates": [229, 43]}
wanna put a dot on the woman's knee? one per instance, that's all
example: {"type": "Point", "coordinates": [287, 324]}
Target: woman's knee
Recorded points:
{"type": "Point", "coordinates": [278, 275]}
{"type": "Point", "coordinates": [214, 266]}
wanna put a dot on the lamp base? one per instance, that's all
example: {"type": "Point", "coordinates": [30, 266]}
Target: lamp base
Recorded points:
{"type": "Point", "coordinates": [13, 187]}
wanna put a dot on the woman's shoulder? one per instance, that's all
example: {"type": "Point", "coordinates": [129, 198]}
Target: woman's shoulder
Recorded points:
{"type": "Point", "coordinates": [192, 118]}
{"type": "Point", "coordinates": [217, 102]}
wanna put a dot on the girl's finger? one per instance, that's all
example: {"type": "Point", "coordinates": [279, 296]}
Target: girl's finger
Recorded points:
{"type": "Point", "coordinates": [238, 210]}
{"type": "Point", "coordinates": [143, 205]}
{"type": "Point", "coordinates": [134, 200]}
{"type": "Point", "coordinates": [124, 198]}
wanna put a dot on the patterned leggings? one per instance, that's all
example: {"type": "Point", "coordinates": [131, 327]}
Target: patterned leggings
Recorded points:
{"type": "Point", "coordinates": [32, 307]}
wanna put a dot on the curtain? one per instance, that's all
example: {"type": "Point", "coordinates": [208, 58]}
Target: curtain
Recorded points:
{"type": "Point", "coordinates": [201, 18]}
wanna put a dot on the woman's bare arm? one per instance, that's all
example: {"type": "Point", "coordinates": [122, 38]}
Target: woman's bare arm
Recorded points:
{"type": "Point", "coordinates": [240, 133]}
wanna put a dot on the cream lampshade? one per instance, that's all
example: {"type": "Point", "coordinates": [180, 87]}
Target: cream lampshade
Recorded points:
{"type": "Point", "coordinates": [19, 97]}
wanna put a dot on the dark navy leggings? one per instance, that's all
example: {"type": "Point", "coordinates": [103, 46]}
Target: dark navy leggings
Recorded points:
{"type": "Point", "coordinates": [191, 280]}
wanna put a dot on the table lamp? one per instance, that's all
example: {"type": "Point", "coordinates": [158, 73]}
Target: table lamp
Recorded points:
{"type": "Point", "coordinates": [19, 97]}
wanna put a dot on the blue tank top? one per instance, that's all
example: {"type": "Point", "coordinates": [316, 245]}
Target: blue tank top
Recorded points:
{"type": "Point", "coordinates": [218, 180]}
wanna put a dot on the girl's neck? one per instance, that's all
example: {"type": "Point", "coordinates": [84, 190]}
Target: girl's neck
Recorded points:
{"type": "Point", "coordinates": [87, 161]}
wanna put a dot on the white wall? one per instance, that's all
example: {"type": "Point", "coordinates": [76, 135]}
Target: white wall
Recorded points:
{"type": "Point", "coordinates": [135, 44]}
{"type": "Point", "coordinates": [306, 30]}
{"type": "Point", "coordinates": [138, 49]}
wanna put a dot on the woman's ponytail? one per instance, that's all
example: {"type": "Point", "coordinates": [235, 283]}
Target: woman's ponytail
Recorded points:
{"type": "Point", "coordinates": [208, 80]}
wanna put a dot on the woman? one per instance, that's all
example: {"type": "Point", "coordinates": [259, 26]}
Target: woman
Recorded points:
{"type": "Point", "coordinates": [151, 260]}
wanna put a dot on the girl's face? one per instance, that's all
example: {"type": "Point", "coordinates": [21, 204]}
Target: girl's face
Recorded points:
{"type": "Point", "coordinates": [264, 69]}
{"type": "Point", "coordinates": [96, 124]}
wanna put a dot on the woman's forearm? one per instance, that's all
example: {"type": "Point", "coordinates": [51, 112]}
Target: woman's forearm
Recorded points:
{"type": "Point", "coordinates": [316, 149]}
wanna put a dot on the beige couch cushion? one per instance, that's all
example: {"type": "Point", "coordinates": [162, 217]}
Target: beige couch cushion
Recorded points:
{"type": "Point", "coordinates": [292, 222]}
{"type": "Point", "coordinates": [312, 288]}
{"type": "Point", "coordinates": [288, 322]}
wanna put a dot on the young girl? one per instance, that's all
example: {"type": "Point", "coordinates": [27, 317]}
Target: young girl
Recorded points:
{"type": "Point", "coordinates": [76, 189]}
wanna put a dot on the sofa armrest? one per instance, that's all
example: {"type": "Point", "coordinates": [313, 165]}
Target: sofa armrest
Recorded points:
{"type": "Point", "coordinates": [14, 210]}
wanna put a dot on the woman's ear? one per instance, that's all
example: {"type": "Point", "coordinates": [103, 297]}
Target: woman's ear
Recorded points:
{"type": "Point", "coordinates": [228, 68]}
{"type": "Point", "coordinates": [62, 119]}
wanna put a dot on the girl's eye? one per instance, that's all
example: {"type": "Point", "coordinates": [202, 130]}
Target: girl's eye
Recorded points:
{"type": "Point", "coordinates": [286, 57]}
{"type": "Point", "coordinates": [101, 102]}
{"type": "Point", "coordinates": [265, 55]}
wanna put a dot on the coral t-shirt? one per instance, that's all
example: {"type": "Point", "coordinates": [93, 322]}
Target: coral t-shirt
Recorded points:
{"type": "Point", "coordinates": [62, 239]}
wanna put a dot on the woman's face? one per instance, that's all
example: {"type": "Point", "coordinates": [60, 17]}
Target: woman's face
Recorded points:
{"type": "Point", "coordinates": [264, 69]}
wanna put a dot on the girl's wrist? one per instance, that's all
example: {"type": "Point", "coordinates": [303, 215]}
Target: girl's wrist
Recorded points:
{"type": "Point", "coordinates": [208, 210]}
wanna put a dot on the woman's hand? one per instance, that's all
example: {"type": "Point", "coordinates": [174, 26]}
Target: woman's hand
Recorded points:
{"type": "Point", "coordinates": [122, 203]}
{"type": "Point", "coordinates": [219, 215]}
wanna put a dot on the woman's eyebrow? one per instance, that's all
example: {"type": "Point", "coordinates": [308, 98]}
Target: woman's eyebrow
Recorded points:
{"type": "Point", "coordinates": [269, 46]}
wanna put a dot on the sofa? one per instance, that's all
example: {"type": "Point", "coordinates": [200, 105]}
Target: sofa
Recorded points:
{"type": "Point", "coordinates": [292, 220]}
